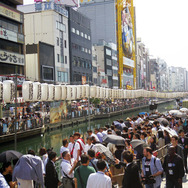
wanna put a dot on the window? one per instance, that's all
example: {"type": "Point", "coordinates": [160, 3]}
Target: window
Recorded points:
{"type": "Point", "coordinates": [65, 59]}
{"type": "Point", "coordinates": [47, 73]}
{"type": "Point", "coordinates": [74, 61]}
{"type": "Point", "coordinates": [73, 30]}
{"type": "Point", "coordinates": [57, 57]}
{"type": "Point", "coordinates": [65, 43]}
{"type": "Point", "coordinates": [62, 76]}
{"type": "Point", "coordinates": [77, 32]}
{"type": "Point", "coordinates": [89, 51]}
{"type": "Point", "coordinates": [57, 41]}
{"type": "Point", "coordinates": [109, 72]}
{"type": "Point", "coordinates": [85, 50]}
{"type": "Point", "coordinates": [94, 69]}
{"type": "Point", "coordinates": [108, 52]}
{"type": "Point", "coordinates": [89, 38]}
{"type": "Point", "coordinates": [62, 59]}
{"type": "Point", "coordinates": [82, 34]}
{"type": "Point", "coordinates": [82, 49]}
{"type": "Point", "coordinates": [109, 62]}
{"type": "Point", "coordinates": [85, 36]}
{"type": "Point", "coordinates": [79, 62]}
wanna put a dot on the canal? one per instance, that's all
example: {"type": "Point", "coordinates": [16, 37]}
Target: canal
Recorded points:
{"type": "Point", "coordinates": [54, 138]}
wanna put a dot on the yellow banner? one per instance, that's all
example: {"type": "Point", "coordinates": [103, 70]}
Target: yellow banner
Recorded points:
{"type": "Point", "coordinates": [10, 13]}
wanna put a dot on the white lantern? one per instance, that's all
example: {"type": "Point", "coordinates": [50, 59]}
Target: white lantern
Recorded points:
{"type": "Point", "coordinates": [8, 91]}
{"type": "Point", "coordinates": [87, 91]}
{"type": "Point", "coordinates": [63, 92]}
{"type": "Point", "coordinates": [109, 93]}
{"type": "Point", "coordinates": [44, 92]}
{"type": "Point", "coordinates": [51, 92]}
{"type": "Point", "coordinates": [93, 91]}
{"type": "Point", "coordinates": [113, 93]}
{"type": "Point", "coordinates": [83, 91]}
{"type": "Point", "coordinates": [27, 90]}
{"type": "Point", "coordinates": [79, 92]}
{"type": "Point", "coordinates": [37, 91]}
{"type": "Point", "coordinates": [98, 92]}
{"type": "Point", "coordinates": [106, 93]}
{"type": "Point", "coordinates": [101, 93]}
{"type": "Point", "coordinates": [124, 94]}
{"type": "Point", "coordinates": [58, 92]}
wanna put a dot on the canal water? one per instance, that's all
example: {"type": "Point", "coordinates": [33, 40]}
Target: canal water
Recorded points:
{"type": "Point", "coordinates": [54, 138]}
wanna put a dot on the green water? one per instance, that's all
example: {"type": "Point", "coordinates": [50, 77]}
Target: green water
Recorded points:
{"type": "Point", "coordinates": [54, 138]}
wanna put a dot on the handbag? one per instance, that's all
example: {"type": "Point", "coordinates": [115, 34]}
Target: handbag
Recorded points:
{"type": "Point", "coordinates": [68, 182]}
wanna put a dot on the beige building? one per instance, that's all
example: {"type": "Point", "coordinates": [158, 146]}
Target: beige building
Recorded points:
{"type": "Point", "coordinates": [46, 23]}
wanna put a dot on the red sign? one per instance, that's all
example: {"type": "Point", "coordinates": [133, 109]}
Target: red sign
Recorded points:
{"type": "Point", "coordinates": [104, 81]}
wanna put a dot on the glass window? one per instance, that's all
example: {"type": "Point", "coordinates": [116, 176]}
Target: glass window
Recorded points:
{"type": "Point", "coordinates": [57, 41]}
{"type": "Point", "coordinates": [47, 73]}
{"type": "Point", "coordinates": [85, 36]}
{"type": "Point", "coordinates": [82, 49]}
{"type": "Point", "coordinates": [59, 76]}
{"type": "Point", "coordinates": [94, 69]}
{"type": "Point", "coordinates": [73, 30]}
{"type": "Point", "coordinates": [66, 77]}
{"type": "Point", "coordinates": [108, 52]}
{"type": "Point", "coordinates": [109, 72]}
{"type": "Point", "coordinates": [77, 32]}
{"type": "Point", "coordinates": [89, 38]}
{"type": "Point", "coordinates": [57, 57]}
{"type": "Point", "coordinates": [109, 62]}
{"type": "Point", "coordinates": [82, 34]}
{"type": "Point", "coordinates": [85, 50]}
{"type": "Point", "coordinates": [65, 59]}
{"type": "Point", "coordinates": [65, 43]}
{"type": "Point", "coordinates": [62, 59]}
{"type": "Point", "coordinates": [89, 51]}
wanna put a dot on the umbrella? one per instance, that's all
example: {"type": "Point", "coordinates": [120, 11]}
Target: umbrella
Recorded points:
{"type": "Point", "coordinates": [104, 150]}
{"type": "Point", "coordinates": [9, 155]}
{"type": "Point", "coordinates": [184, 110]}
{"type": "Point", "coordinates": [143, 113]}
{"type": "Point", "coordinates": [163, 121]}
{"type": "Point", "coordinates": [169, 130]}
{"type": "Point", "coordinates": [114, 139]}
{"type": "Point", "coordinates": [118, 125]}
{"type": "Point", "coordinates": [153, 116]}
{"type": "Point", "coordinates": [135, 143]}
{"type": "Point", "coordinates": [173, 112]}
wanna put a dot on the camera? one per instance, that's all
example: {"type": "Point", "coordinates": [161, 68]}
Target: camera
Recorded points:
{"type": "Point", "coordinates": [148, 180]}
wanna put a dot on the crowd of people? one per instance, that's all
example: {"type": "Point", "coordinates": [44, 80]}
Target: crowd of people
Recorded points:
{"type": "Point", "coordinates": [162, 153]}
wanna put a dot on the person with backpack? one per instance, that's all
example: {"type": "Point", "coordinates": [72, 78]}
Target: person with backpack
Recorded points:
{"type": "Point", "coordinates": [92, 159]}
{"type": "Point", "coordinates": [151, 169]}
{"type": "Point", "coordinates": [78, 148]}
{"type": "Point", "coordinates": [82, 172]}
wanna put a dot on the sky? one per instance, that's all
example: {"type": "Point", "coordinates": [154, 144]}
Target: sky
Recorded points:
{"type": "Point", "coordinates": [162, 26]}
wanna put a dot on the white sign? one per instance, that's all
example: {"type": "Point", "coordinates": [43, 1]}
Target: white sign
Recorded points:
{"type": "Point", "coordinates": [10, 35]}
{"type": "Point", "coordinates": [12, 58]}
{"type": "Point", "coordinates": [128, 62]}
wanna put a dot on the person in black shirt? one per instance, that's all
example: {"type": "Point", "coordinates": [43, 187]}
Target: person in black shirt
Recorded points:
{"type": "Point", "coordinates": [183, 141]}
{"type": "Point", "coordinates": [173, 168]}
{"type": "Point", "coordinates": [7, 173]}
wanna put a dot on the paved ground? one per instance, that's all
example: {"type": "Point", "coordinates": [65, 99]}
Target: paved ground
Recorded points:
{"type": "Point", "coordinates": [185, 182]}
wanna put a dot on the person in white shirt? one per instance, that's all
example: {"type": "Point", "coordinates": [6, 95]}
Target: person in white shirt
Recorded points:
{"type": "Point", "coordinates": [78, 147]}
{"type": "Point", "coordinates": [99, 135]}
{"type": "Point", "coordinates": [64, 147]}
{"type": "Point", "coordinates": [71, 144]}
{"type": "Point", "coordinates": [67, 169]}
{"type": "Point", "coordinates": [89, 145]}
{"type": "Point", "coordinates": [103, 181]}
{"type": "Point", "coordinates": [103, 131]}
{"type": "Point", "coordinates": [91, 134]}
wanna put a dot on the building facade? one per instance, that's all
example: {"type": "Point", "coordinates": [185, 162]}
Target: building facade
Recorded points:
{"type": "Point", "coordinates": [47, 23]}
{"type": "Point", "coordinates": [80, 48]}
{"type": "Point", "coordinates": [154, 74]}
{"type": "Point", "coordinates": [12, 58]}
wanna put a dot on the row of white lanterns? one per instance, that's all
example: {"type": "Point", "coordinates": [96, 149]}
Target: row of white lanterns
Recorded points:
{"type": "Point", "coordinates": [35, 91]}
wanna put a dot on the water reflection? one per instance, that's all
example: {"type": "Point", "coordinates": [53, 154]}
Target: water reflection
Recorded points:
{"type": "Point", "coordinates": [54, 138]}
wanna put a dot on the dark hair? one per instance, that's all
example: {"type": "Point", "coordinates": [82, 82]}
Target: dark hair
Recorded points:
{"type": "Point", "coordinates": [128, 141]}
{"type": "Point", "coordinates": [148, 149]}
{"type": "Point", "coordinates": [52, 155]}
{"type": "Point", "coordinates": [77, 134]}
{"type": "Point", "coordinates": [42, 151]}
{"type": "Point", "coordinates": [84, 159]}
{"type": "Point", "coordinates": [175, 137]}
{"type": "Point", "coordinates": [96, 129]}
{"type": "Point", "coordinates": [89, 131]}
{"type": "Point", "coordinates": [64, 154]}
{"type": "Point", "coordinates": [31, 152]}
{"type": "Point", "coordinates": [65, 141]}
{"type": "Point", "coordinates": [125, 129]}
{"type": "Point", "coordinates": [160, 134]}
{"type": "Point", "coordinates": [118, 133]}
{"type": "Point", "coordinates": [5, 165]}
{"type": "Point", "coordinates": [91, 153]}
{"type": "Point", "coordinates": [107, 126]}
{"type": "Point", "coordinates": [137, 136]}
{"type": "Point", "coordinates": [128, 156]}
{"type": "Point", "coordinates": [71, 136]}
{"type": "Point", "coordinates": [144, 134]}
{"type": "Point", "coordinates": [101, 165]}
{"type": "Point", "coordinates": [181, 131]}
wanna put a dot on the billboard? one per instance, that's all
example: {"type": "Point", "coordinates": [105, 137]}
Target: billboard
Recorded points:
{"type": "Point", "coordinates": [127, 32]}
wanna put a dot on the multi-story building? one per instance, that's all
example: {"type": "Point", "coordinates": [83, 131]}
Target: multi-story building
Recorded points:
{"type": "Point", "coordinates": [80, 48]}
{"type": "Point", "coordinates": [105, 24]}
{"type": "Point", "coordinates": [143, 76]}
{"type": "Point", "coordinates": [12, 58]}
{"type": "Point", "coordinates": [154, 74]}
{"type": "Point", "coordinates": [163, 75]}
{"type": "Point", "coordinates": [107, 64]}
{"type": "Point", "coordinates": [95, 66]}
{"type": "Point", "coordinates": [47, 42]}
